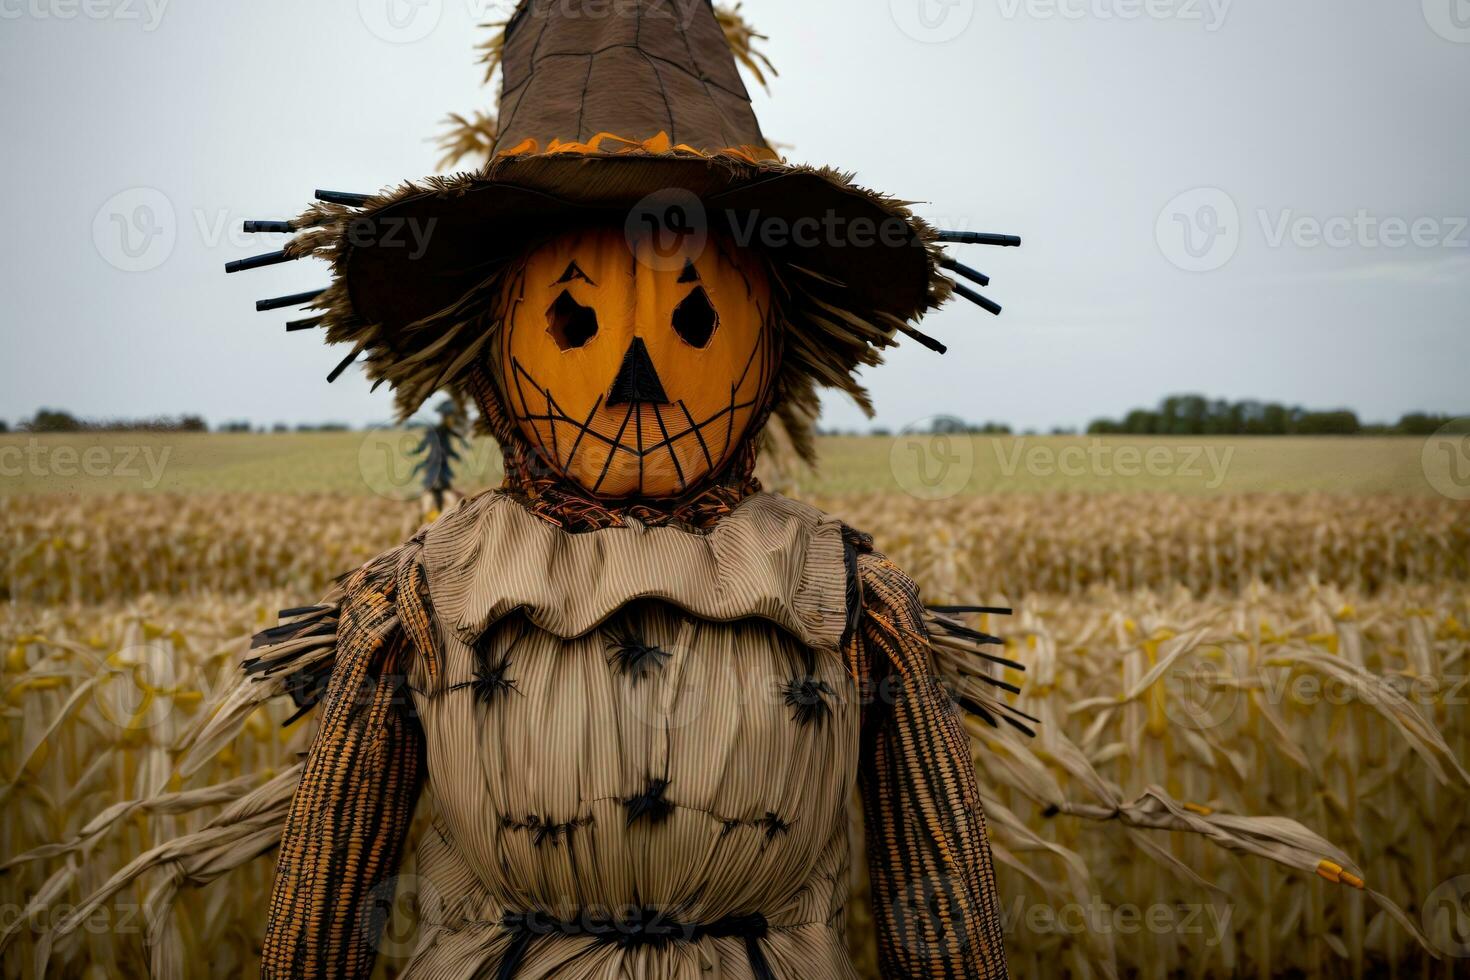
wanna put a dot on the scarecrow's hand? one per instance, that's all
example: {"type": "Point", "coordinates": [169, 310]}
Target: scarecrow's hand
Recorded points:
{"type": "Point", "coordinates": [351, 812]}
{"type": "Point", "coordinates": [933, 889]}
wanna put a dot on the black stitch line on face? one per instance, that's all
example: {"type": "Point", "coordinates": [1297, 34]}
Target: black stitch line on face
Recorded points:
{"type": "Point", "coordinates": [555, 454]}
{"type": "Point", "coordinates": [517, 371]}
{"type": "Point", "coordinates": [698, 434]}
{"type": "Point", "coordinates": [637, 409]}
{"type": "Point", "coordinates": [582, 430]}
{"type": "Point", "coordinates": [673, 457]}
{"type": "Point", "coordinates": [613, 454]}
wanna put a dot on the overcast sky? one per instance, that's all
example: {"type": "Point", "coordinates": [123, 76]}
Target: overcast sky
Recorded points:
{"type": "Point", "coordinates": [1246, 199]}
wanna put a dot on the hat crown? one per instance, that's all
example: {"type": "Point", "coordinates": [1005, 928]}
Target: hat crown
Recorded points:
{"type": "Point", "coordinates": [573, 69]}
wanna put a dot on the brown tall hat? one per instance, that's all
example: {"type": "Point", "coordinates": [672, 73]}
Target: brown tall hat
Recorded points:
{"type": "Point", "coordinates": [623, 112]}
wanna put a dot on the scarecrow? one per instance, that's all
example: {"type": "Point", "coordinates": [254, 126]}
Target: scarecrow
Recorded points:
{"type": "Point", "coordinates": [632, 691]}
{"type": "Point", "coordinates": [639, 690]}
{"type": "Point", "coordinates": [440, 455]}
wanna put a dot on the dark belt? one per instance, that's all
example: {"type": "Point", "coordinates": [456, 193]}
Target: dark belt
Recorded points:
{"type": "Point", "coordinates": [640, 927]}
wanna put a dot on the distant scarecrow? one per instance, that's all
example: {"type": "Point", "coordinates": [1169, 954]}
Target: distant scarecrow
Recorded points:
{"type": "Point", "coordinates": [439, 457]}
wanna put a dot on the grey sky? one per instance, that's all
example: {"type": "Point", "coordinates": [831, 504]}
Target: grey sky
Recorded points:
{"type": "Point", "coordinates": [1071, 122]}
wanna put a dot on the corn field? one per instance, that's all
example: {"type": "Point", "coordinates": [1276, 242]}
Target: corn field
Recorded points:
{"type": "Point", "coordinates": [1190, 660]}
{"type": "Point", "coordinates": [83, 550]}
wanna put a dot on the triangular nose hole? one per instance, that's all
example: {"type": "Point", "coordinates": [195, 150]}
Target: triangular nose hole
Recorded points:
{"type": "Point", "coordinates": [637, 381]}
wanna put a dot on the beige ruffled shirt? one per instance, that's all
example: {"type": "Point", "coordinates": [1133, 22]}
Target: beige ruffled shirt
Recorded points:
{"type": "Point", "coordinates": [591, 751]}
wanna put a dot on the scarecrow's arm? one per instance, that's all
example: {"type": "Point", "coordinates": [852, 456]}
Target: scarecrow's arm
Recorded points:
{"type": "Point", "coordinates": [351, 813]}
{"type": "Point", "coordinates": [933, 889]}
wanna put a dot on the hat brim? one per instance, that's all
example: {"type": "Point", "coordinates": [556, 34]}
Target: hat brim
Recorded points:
{"type": "Point", "coordinates": [416, 253]}
{"type": "Point", "coordinates": [417, 268]}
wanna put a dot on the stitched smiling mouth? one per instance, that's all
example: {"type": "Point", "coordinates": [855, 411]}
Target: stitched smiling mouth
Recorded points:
{"type": "Point", "coordinates": [648, 430]}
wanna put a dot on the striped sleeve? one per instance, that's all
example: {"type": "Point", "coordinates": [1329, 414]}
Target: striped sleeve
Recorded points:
{"type": "Point", "coordinates": [351, 812]}
{"type": "Point", "coordinates": [933, 887]}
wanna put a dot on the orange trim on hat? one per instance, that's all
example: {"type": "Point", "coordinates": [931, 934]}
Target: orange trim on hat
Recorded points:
{"type": "Point", "coordinates": [610, 144]}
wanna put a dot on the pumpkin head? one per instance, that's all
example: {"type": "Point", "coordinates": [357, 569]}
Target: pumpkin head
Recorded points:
{"type": "Point", "coordinates": [636, 371]}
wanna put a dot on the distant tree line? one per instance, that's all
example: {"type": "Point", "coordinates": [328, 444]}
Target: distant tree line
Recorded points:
{"type": "Point", "coordinates": [941, 425]}
{"type": "Point", "coordinates": [1196, 415]}
{"type": "Point", "coordinates": [1181, 415]}
{"type": "Point", "coordinates": [55, 420]}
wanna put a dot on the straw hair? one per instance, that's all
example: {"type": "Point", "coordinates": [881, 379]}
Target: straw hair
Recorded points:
{"type": "Point", "coordinates": [828, 335]}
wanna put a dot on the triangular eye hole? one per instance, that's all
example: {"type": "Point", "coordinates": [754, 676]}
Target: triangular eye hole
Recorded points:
{"type": "Point", "coordinates": [695, 318]}
{"type": "Point", "coordinates": [570, 324]}
{"type": "Point", "coordinates": [690, 274]}
{"type": "Point", "coordinates": [574, 272]}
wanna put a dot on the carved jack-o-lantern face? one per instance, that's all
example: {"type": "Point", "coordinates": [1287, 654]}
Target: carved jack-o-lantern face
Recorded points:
{"type": "Point", "coordinates": [635, 372]}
